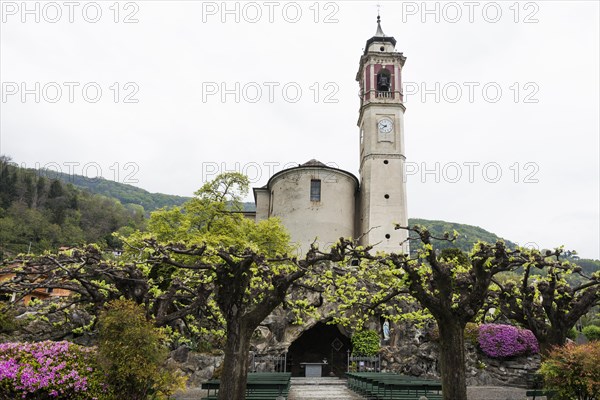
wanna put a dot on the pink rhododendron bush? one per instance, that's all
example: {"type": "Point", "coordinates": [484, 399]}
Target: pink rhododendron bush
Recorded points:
{"type": "Point", "coordinates": [47, 370]}
{"type": "Point", "coordinates": [505, 341]}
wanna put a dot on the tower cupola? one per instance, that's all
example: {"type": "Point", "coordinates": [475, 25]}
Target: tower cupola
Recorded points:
{"type": "Point", "coordinates": [380, 42]}
{"type": "Point", "coordinates": [380, 69]}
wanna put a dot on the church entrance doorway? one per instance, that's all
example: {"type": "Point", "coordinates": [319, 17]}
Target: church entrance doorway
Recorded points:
{"type": "Point", "coordinates": [322, 345]}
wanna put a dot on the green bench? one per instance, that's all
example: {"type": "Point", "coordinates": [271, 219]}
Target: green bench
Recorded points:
{"type": "Point", "coordinates": [259, 386]}
{"type": "Point", "coordinates": [535, 385]}
{"type": "Point", "coordinates": [388, 386]}
{"type": "Point", "coordinates": [539, 393]}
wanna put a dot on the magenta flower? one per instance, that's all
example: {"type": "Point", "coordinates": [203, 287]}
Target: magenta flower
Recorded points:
{"type": "Point", "coordinates": [44, 370]}
{"type": "Point", "coordinates": [504, 341]}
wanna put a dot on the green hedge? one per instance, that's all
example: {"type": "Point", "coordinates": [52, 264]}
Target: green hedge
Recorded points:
{"type": "Point", "coordinates": [365, 343]}
{"type": "Point", "coordinates": [592, 332]}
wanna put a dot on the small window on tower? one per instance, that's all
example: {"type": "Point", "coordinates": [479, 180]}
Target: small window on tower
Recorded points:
{"type": "Point", "coordinates": [315, 190]}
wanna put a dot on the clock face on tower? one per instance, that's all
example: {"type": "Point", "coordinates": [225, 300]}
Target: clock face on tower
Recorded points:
{"type": "Point", "coordinates": [385, 125]}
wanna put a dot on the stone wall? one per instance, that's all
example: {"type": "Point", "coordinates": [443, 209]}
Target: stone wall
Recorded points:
{"type": "Point", "coordinates": [198, 367]}
{"type": "Point", "coordinates": [411, 351]}
{"type": "Point", "coordinates": [415, 352]}
{"type": "Point", "coordinates": [35, 325]}
{"type": "Point", "coordinates": [422, 361]}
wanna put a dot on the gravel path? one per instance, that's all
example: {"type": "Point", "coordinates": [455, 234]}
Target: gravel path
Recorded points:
{"type": "Point", "coordinates": [497, 393]}
{"type": "Point", "coordinates": [191, 394]}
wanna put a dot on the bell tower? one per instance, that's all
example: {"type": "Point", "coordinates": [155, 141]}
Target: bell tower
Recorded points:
{"type": "Point", "coordinates": [381, 125]}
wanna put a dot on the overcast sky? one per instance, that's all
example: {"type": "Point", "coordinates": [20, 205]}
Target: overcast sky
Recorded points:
{"type": "Point", "coordinates": [502, 98]}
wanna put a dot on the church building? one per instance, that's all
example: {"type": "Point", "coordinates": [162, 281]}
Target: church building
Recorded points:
{"type": "Point", "coordinates": [318, 203]}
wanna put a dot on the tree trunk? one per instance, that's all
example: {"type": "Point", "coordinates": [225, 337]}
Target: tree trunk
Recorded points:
{"type": "Point", "coordinates": [452, 359]}
{"type": "Point", "coordinates": [555, 337]}
{"type": "Point", "coordinates": [235, 365]}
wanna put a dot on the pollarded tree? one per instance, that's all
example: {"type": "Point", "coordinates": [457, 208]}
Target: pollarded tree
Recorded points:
{"type": "Point", "coordinates": [450, 286]}
{"type": "Point", "coordinates": [237, 270]}
{"type": "Point", "coordinates": [453, 292]}
{"type": "Point", "coordinates": [91, 279]}
{"type": "Point", "coordinates": [550, 304]}
{"type": "Point", "coordinates": [241, 287]}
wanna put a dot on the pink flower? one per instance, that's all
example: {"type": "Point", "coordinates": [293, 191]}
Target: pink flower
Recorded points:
{"type": "Point", "coordinates": [56, 370]}
{"type": "Point", "coordinates": [504, 341]}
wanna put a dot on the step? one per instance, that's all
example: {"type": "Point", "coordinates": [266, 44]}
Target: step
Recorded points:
{"type": "Point", "coordinates": [320, 389]}
{"type": "Point", "coordinates": [318, 381]}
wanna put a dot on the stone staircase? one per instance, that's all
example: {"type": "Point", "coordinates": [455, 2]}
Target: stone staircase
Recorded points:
{"type": "Point", "coordinates": [320, 389]}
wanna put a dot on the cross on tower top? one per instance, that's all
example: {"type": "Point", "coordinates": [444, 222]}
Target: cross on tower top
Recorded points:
{"type": "Point", "coordinates": [379, 32]}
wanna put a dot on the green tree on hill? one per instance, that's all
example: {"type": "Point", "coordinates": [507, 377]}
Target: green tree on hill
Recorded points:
{"type": "Point", "coordinates": [38, 214]}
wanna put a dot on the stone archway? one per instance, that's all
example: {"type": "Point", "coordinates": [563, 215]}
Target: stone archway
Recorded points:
{"type": "Point", "coordinates": [320, 342]}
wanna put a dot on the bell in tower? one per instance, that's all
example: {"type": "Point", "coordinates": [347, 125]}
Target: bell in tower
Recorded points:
{"type": "Point", "coordinates": [383, 81]}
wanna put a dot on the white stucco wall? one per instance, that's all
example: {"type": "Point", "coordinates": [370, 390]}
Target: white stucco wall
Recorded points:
{"type": "Point", "coordinates": [262, 198]}
{"type": "Point", "coordinates": [326, 220]}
